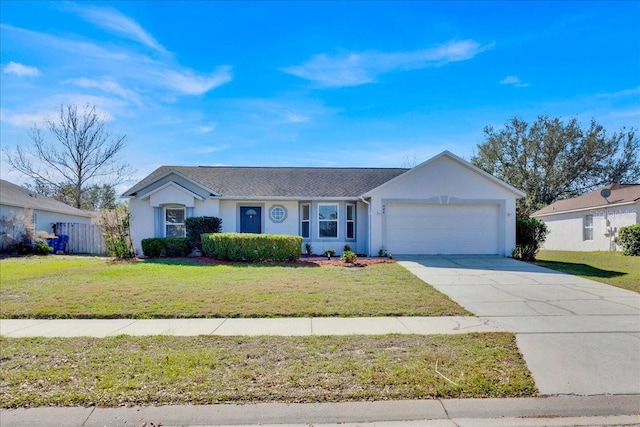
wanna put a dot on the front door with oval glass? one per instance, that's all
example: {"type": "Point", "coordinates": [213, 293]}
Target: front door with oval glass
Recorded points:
{"type": "Point", "coordinates": [251, 219]}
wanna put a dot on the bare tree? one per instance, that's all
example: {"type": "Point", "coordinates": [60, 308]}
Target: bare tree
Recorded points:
{"type": "Point", "coordinates": [84, 152]}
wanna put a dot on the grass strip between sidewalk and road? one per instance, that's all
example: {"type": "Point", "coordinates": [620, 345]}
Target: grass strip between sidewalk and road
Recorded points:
{"type": "Point", "coordinates": [164, 370]}
{"type": "Point", "coordinates": [88, 287]}
{"type": "Point", "coordinates": [612, 268]}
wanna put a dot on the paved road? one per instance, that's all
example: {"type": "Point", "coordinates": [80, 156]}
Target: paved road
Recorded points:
{"type": "Point", "coordinates": [576, 335]}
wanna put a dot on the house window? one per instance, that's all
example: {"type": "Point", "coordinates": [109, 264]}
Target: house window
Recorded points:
{"type": "Point", "coordinates": [351, 221]}
{"type": "Point", "coordinates": [328, 220]}
{"type": "Point", "coordinates": [174, 222]}
{"type": "Point", "coordinates": [305, 217]}
{"type": "Point", "coordinates": [278, 213]}
{"type": "Point", "coordinates": [588, 227]}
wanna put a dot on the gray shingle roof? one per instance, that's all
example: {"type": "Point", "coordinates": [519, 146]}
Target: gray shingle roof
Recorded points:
{"type": "Point", "coordinates": [620, 193]}
{"type": "Point", "coordinates": [14, 195]}
{"type": "Point", "coordinates": [255, 182]}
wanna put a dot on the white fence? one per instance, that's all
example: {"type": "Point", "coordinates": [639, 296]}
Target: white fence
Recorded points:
{"type": "Point", "coordinates": [83, 238]}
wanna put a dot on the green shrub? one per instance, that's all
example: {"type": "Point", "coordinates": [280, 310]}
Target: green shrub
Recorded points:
{"type": "Point", "coordinates": [307, 248]}
{"type": "Point", "coordinates": [629, 239]}
{"type": "Point", "coordinates": [152, 247]}
{"type": "Point", "coordinates": [530, 235]}
{"type": "Point", "coordinates": [251, 247]}
{"type": "Point", "coordinates": [176, 246]}
{"type": "Point", "coordinates": [349, 257]}
{"type": "Point", "coordinates": [196, 226]}
{"type": "Point", "coordinates": [43, 248]}
{"type": "Point", "coordinates": [166, 247]}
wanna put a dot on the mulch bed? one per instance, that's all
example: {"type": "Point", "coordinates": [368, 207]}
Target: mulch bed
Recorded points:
{"type": "Point", "coordinates": [302, 262]}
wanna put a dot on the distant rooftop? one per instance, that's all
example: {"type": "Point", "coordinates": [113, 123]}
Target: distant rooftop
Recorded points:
{"type": "Point", "coordinates": [620, 194]}
{"type": "Point", "coordinates": [19, 197]}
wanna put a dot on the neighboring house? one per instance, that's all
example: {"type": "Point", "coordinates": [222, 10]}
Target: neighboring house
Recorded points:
{"type": "Point", "coordinates": [46, 211]}
{"type": "Point", "coordinates": [17, 203]}
{"type": "Point", "coordinates": [442, 206]}
{"type": "Point", "coordinates": [591, 222]}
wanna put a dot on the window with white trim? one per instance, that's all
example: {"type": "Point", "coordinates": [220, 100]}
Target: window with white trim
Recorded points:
{"type": "Point", "coordinates": [587, 227]}
{"type": "Point", "coordinates": [351, 221]}
{"type": "Point", "coordinates": [174, 222]}
{"type": "Point", "coordinates": [305, 220]}
{"type": "Point", "coordinates": [328, 220]}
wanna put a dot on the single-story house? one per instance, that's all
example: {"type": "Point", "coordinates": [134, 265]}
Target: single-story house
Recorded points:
{"type": "Point", "coordinates": [591, 222]}
{"type": "Point", "coordinates": [47, 211]}
{"type": "Point", "coordinates": [17, 202]}
{"type": "Point", "coordinates": [442, 206]}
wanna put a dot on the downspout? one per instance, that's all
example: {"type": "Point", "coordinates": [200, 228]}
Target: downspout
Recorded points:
{"type": "Point", "coordinates": [368, 223]}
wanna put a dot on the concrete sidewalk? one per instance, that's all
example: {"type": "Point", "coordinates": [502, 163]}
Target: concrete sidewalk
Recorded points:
{"type": "Point", "coordinates": [550, 411]}
{"type": "Point", "coordinates": [16, 328]}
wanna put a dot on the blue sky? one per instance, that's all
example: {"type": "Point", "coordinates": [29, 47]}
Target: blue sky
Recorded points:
{"type": "Point", "coordinates": [380, 84]}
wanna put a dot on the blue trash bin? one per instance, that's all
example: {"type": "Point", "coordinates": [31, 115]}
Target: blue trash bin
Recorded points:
{"type": "Point", "coordinates": [62, 242]}
{"type": "Point", "coordinates": [53, 242]}
{"type": "Point", "coordinates": [59, 243]}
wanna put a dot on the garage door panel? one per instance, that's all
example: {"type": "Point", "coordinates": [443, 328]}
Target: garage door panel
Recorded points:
{"type": "Point", "coordinates": [442, 229]}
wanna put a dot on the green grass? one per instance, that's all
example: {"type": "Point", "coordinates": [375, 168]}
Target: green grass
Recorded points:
{"type": "Point", "coordinates": [86, 287]}
{"type": "Point", "coordinates": [612, 268]}
{"type": "Point", "coordinates": [165, 370]}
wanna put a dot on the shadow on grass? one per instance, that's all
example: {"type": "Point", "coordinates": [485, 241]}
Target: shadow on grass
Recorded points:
{"type": "Point", "coordinates": [579, 269]}
{"type": "Point", "coordinates": [211, 262]}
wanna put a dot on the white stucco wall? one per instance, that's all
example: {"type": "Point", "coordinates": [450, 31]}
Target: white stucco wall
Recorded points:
{"type": "Point", "coordinates": [142, 222]}
{"type": "Point", "coordinates": [445, 181]}
{"type": "Point", "coordinates": [566, 231]}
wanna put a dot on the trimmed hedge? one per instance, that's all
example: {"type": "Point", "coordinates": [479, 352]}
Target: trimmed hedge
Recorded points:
{"type": "Point", "coordinates": [629, 239]}
{"type": "Point", "coordinates": [196, 226]}
{"type": "Point", "coordinates": [166, 247]}
{"type": "Point", "coordinates": [251, 247]}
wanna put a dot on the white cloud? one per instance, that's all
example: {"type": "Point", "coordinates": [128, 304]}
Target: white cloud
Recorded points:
{"type": "Point", "coordinates": [122, 64]}
{"type": "Point", "coordinates": [111, 19]}
{"type": "Point", "coordinates": [620, 94]}
{"type": "Point", "coordinates": [514, 81]}
{"type": "Point", "coordinates": [206, 128]}
{"type": "Point", "coordinates": [210, 149]}
{"type": "Point", "coordinates": [21, 70]}
{"type": "Point", "coordinates": [353, 69]}
{"type": "Point", "coordinates": [23, 120]}
{"type": "Point", "coordinates": [191, 83]}
{"type": "Point", "coordinates": [292, 117]}
{"type": "Point", "coordinates": [106, 85]}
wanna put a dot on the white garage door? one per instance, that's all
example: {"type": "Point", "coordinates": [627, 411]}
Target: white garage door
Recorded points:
{"type": "Point", "coordinates": [441, 229]}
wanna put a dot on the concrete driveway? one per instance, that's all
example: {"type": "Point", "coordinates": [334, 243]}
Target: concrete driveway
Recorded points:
{"type": "Point", "coordinates": [577, 336]}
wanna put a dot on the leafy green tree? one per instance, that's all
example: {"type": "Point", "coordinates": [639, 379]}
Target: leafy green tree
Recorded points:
{"type": "Point", "coordinates": [550, 159]}
{"type": "Point", "coordinates": [79, 153]}
{"type": "Point", "coordinates": [94, 198]}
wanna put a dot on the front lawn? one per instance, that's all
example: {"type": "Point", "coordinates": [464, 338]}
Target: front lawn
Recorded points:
{"type": "Point", "coordinates": [86, 287]}
{"type": "Point", "coordinates": [164, 370]}
{"type": "Point", "coordinates": [612, 268]}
